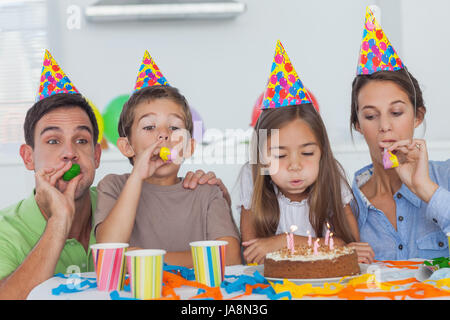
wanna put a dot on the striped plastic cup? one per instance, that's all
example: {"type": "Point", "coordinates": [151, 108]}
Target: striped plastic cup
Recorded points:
{"type": "Point", "coordinates": [145, 268]}
{"type": "Point", "coordinates": [209, 261]}
{"type": "Point", "coordinates": [109, 263]}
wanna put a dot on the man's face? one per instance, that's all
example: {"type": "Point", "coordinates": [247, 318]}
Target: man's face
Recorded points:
{"type": "Point", "coordinates": [65, 135]}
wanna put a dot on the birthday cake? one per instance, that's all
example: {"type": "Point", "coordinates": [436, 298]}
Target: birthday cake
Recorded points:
{"type": "Point", "coordinates": [304, 264]}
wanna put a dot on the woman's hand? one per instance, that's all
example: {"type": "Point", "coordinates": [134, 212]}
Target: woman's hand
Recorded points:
{"type": "Point", "coordinates": [364, 251]}
{"type": "Point", "coordinates": [258, 248]}
{"type": "Point", "coordinates": [413, 167]}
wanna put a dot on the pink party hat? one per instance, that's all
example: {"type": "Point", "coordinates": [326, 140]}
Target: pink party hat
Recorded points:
{"type": "Point", "coordinates": [376, 52]}
{"type": "Point", "coordinates": [53, 79]}
{"type": "Point", "coordinates": [284, 87]}
{"type": "Point", "coordinates": [149, 74]}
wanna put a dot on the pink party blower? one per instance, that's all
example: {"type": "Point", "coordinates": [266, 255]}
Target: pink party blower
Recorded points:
{"type": "Point", "coordinates": [109, 263]}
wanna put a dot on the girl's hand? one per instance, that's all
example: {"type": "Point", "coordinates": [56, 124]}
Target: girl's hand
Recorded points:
{"type": "Point", "coordinates": [147, 162]}
{"type": "Point", "coordinates": [413, 167]}
{"type": "Point", "coordinates": [364, 251]}
{"type": "Point", "coordinates": [258, 248]}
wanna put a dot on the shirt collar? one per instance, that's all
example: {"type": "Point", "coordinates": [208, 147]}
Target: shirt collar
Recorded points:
{"type": "Point", "coordinates": [32, 216]}
{"type": "Point", "coordinates": [363, 175]}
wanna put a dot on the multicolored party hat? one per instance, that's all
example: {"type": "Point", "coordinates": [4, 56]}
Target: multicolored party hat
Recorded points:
{"type": "Point", "coordinates": [149, 74]}
{"type": "Point", "coordinates": [376, 52]}
{"type": "Point", "coordinates": [53, 79]}
{"type": "Point", "coordinates": [284, 87]}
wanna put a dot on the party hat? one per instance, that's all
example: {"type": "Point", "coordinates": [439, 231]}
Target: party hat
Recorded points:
{"type": "Point", "coordinates": [53, 79]}
{"type": "Point", "coordinates": [149, 74]}
{"type": "Point", "coordinates": [376, 52]}
{"type": "Point", "coordinates": [284, 87]}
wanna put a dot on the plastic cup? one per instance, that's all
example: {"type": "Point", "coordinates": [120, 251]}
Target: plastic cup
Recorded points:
{"type": "Point", "coordinates": [145, 268]}
{"type": "Point", "coordinates": [209, 261]}
{"type": "Point", "coordinates": [109, 263]}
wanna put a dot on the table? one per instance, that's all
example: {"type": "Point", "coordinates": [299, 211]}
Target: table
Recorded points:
{"type": "Point", "coordinates": [384, 272]}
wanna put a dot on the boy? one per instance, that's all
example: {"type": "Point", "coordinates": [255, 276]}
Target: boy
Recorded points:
{"type": "Point", "coordinates": [149, 207]}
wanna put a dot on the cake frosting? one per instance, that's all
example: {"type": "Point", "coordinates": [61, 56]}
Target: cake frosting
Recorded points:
{"type": "Point", "coordinates": [304, 264]}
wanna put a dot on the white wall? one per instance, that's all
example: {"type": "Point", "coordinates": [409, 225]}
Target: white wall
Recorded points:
{"type": "Point", "coordinates": [222, 66]}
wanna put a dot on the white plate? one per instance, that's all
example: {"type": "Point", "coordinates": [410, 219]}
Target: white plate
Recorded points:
{"type": "Point", "coordinates": [315, 282]}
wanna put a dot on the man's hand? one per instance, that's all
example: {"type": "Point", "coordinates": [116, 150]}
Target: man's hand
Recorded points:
{"type": "Point", "coordinates": [200, 177]}
{"type": "Point", "coordinates": [54, 204]}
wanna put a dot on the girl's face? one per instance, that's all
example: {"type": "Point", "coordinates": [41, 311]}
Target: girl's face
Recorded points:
{"type": "Point", "coordinates": [294, 156]}
{"type": "Point", "coordinates": [385, 115]}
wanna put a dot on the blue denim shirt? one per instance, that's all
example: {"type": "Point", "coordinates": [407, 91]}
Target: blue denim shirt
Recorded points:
{"type": "Point", "coordinates": [421, 227]}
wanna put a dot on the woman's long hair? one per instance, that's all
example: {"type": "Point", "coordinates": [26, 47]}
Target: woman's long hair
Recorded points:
{"type": "Point", "coordinates": [324, 198]}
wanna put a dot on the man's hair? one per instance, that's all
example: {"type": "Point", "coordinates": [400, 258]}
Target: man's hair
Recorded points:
{"type": "Point", "coordinates": [59, 100]}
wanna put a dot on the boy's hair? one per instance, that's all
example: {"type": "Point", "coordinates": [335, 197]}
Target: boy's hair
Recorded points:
{"type": "Point", "coordinates": [149, 94]}
{"type": "Point", "coordinates": [59, 100]}
{"type": "Point", "coordinates": [325, 198]}
{"type": "Point", "coordinates": [403, 78]}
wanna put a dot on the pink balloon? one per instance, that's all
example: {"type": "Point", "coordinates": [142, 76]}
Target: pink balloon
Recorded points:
{"type": "Point", "coordinates": [273, 79]}
{"type": "Point", "coordinates": [365, 45]}
{"type": "Point", "coordinates": [278, 58]}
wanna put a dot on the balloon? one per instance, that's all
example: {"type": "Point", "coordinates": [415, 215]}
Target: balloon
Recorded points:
{"type": "Point", "coordinates": [198, 132]}
{"type": "Point", "coordinates": [111, 117]}
{"type": "Point", "coordinates": [257, 110]}
{"type": "Point", "coordinates": [99, 118]}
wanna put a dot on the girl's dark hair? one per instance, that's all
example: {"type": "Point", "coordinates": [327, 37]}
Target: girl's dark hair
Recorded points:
{"type": "Point", "coordinates": [403, 78]}
{"type": "Point", "coordinates": [325, 197]}
{"type": "Point", "coordinates": [59, 100]}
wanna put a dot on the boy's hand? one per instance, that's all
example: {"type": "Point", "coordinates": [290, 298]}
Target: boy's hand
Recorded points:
{"type": "Point", "coordinates": [147, 162]}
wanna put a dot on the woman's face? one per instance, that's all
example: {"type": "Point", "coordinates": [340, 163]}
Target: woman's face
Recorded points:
{"type": "Point", "coordinates": [385, 115]}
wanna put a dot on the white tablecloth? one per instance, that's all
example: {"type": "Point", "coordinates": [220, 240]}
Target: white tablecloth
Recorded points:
{"type": "Point", "coordinates": [44, 290]}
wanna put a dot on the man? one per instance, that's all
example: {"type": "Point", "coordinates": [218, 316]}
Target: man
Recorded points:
{"type": "Point", "coordinates": [51, 231]}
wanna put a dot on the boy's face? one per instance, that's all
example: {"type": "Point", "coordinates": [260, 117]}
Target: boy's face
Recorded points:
{"type": "Point", "coordinates": [161, 119]}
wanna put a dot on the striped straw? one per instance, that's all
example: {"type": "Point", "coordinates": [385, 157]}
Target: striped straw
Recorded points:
{"type": "Point", "coordinates": [209, 261]}
{"type": "Point", "coordinates": [109, 263]}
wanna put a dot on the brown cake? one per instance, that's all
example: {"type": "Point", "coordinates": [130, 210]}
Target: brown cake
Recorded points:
{"type": "Point", "coordinates": [303, 264]}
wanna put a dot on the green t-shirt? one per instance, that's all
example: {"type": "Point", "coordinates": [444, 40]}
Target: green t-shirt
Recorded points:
{"type": "Point", "coordinates": [21, 227]}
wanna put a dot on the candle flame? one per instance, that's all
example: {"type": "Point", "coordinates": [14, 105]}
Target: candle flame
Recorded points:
{"type": "Point", "coordinates": [293, 228]}
{"type": "Point", "coordinates": [328, 226]}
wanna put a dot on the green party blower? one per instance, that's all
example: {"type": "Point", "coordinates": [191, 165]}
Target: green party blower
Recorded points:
{"type": "Point", "coordinates": [72, 172]}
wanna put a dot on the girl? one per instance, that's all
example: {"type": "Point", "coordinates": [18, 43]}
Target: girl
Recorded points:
{"type": "Point", "coordinates": [295, 180]}
{"type": "Point", "coordinates": [403, 210]}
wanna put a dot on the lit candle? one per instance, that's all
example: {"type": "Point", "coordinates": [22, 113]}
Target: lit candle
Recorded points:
{"type": "Point", "coordinates": [309, 238]}
{"type": "Point", "coordinates": [331, 241]}
{"type": "Point", "coordinates": [291, 238]}
{"type": "Point", "coordinates": [316, 246]}
{"type": "Point", "coordinates": [327, 234]}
